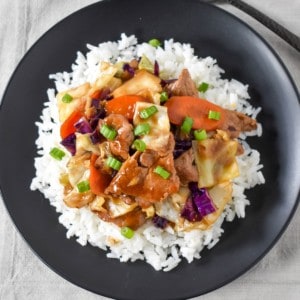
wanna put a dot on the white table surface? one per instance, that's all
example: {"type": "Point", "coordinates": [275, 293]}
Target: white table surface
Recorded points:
{"type": "Point", "coordinates": [24, 276]}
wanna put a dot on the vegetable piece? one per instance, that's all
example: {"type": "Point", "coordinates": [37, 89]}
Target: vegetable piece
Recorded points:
{"type": "Point", "coordinates": [164, 97]}
{"type": "Point", "coordinates": [67, 126]}
{"type": "Point", "coordinates": [69, 143]}
{"type": "Point", "coordinates": [124, 105]}
{"type": "Point", "coordinates": [83, 186]}
{"type": "Point", "coordinates": [139, 145]}
{"type": "Point", "coordinates": [57, 154]}
{"type": "Point", "coordinates": [95, 137]}
{"type": "Point", "coordinates": [127, 232]}
{"type": "Point", "coordinates": [162, 172]}
{"type": "Point", "coordinates": [98, 180]}
{"type": "Point", "coordinates": [214, 115]}
{"type": "Point", "coordinates": [201, 199]}
{"type": "Point", "coordinates": [187, 125]}
{"type": "Point", "coordinates": [156, 68]}
{"type": "Point", "coordinates": [181, 106]}
{"type": "Point", "coordinates": [181, 146]}
{"type": "Point", "coordinates": [146, 64]}
{"type": "Point", "coordinates": [148, 112]}
{"type": "Point", "coordinates": [83, 126]}
{"type": "Point", "coordinates": [160, 222]}
{"type": "Point", "coordinates": [189, 211]}
{"type": "Point", "coordinates": [108, 132]}
{"type": "Point", "coordinates": [129, 69]}
{"type": "Point", "coordinates": [155, 43]}
{"type": "Point", "coordinates": [113, 163]}
{"type": "Point", "coordinates": [142, 129]}
{"type": "Point", "coordinates": [200, 134]}
{"type": "Point", "coordinates": [67, 98]}
{"type": "Point", "coordinates": [203, 87]}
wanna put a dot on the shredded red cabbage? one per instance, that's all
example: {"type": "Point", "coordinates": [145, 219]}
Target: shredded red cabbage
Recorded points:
{"type": "Point", "coordinates": [165, 82]}
{"type": "Point", "coordinates": [95, 137]}
{"type": "Point", "coordinates": [129, 69]}
{"type": "Point", "coordinates": [100, 114]}
{"type": "Point", "coordinates": [156, 68]}
{"type": "Point", "coordinates": [160, 222]}
{"type": "Point", "coordinates": [198, 205]}
{"type": "Point", "coordinates": [83, 126]}
{"type": "Point", "coordinates": [70, 143]}
{"type": "Point", "coordinates": [181, 146]}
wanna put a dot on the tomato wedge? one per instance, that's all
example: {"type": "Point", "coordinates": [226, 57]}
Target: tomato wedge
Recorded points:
{"type": "Point", "coordinates": [124, 105]}
{"type": "Point", "coordinates": [198, 109]}
{"type": "Point", "coordinates": [98, 181]}
{"type": "Point", "coordinates": [67, 126]}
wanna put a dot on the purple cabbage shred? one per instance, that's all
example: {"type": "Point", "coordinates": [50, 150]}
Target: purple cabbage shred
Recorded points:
{"type": "Point", "coordinates": [95, 137]}
{"type": "Point", "coordinates": [83, 126]}
{"type": "Point", "coordinates": [160, 222]}
{"type": "Point", "coordinates": [129, 69]}
{"type": "Point", "coordinates": [70, 143]}
{"type": "Point", "coordinates": [156, 68]}
{"type": "Point", "coordinates": [181, 146]}
{"type": "Point", "coordinates": [198, 205]}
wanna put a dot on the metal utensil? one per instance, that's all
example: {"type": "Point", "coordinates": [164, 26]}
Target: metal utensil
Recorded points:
{"type": "Point", "coordinates": [281, 31]}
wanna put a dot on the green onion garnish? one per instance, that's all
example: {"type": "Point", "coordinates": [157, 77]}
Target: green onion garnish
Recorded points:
{"type": "Point", "coordinates": [108, 132]}
{"type": "Point", "coordinates": [164, 97]}
{"type": "Point", "coordinates": [148, 112]}
{"type": "Point", "coordinates": [67, 98]}
{"type": "Point", "coordinates": [113, 163]}
{"type": "Point", "coordinates": [162, 172]}
{"type": "Point", "coordinates": [139, 145]}
{"type": "Point", "coordinates": [187, 125]}
{"type": "Point", "coordinates": [142, 129]}
{"type": "Point", "coordinates": [57, 153]}
{"type": "Point", "coordinates": [200, 134]}
{"type": "Point", "coordinates": [214, 115]}
{"type": "Point", "coordinates": [203, 87]}
{"type": "Point", "coordinates": [155, 43]}
{"type": "Point", "coordinates": [83, 186]}
{"type": "Point", "coordinates": [127, 232]}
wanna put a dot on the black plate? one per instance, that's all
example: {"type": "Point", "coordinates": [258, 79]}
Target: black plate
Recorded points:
{"type": "Point", "coordinates": [244, 55]}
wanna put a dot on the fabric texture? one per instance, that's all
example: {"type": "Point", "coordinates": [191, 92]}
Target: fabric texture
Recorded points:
{"type": "Point", "coordinates": [24, 276]}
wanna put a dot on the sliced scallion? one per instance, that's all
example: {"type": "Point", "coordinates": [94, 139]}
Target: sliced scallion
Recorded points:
{"type": "Point", "coordinates": [127, 232]}
{"type": "Point", "coordinates": [155, 43]}
{"type": "Point", "coordinates": [142, 129]}
{"type": "Point", "coordinates": [113, 163]}
{"type": "Point", "coordinates": [214, 115]}
{"type": "Point", "coordinates": [164, 97]}
{"type": "Point", "coordinates": [162, 172]}
{"type": "Point", "coordinates": [148, 112]}
{"type": "Point", "coordinates": [203, 87]}
{"type": "Point", "coordinates": [108, 132]}
{"type": "Point", "coordinates": [200, 134]}
{"type": "Point", "coordinates": [83, 186]}
{"type": "Point", "coordinates": [139, 145]}
{"type": "Point", "coordinates": [67, 98]}
{"type": "Point", "coordinates": [187, 125]}
{"type": "Point", "coordinates": [57, 153]}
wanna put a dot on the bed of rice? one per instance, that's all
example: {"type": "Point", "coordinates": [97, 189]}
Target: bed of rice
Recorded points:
{"type": "Point", "coordinates": [162, 249]}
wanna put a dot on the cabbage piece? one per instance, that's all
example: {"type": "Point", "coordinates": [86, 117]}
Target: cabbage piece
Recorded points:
{"type": "Point", "coordinates": [181, 146]}
{"type": "Point", "coordinates": [83, 126]}
{"type": "Point", "coordinates": [117, 207]}
{"type": "Point", "coordinates": [215, 159]}
{"type": "Point", "coordinates": [70, 143]}
{"type": "Point", "coordinates": [160, 222]}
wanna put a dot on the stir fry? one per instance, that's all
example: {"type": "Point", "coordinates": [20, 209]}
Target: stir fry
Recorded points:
{"type": "Point", "coordinates": [143, 148]}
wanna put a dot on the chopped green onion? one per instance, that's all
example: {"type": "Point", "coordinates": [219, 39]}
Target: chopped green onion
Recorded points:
{"type": "Point", "coordinates": [113, 163]}
{"type": "Point", "coordinates": [67, 98]}
{"type": "Point", "coordinates": [148, 112]}
{"type": "Point", "coordinates": [214, 115]}
{"type": "Point", "coordinates": [142, 129]}
{"type": "Point", "coordinates": [162, 172]}
{"type": "Point", "coordinates": [200, 134]}
{"type": "Point", "coordinates": [187, 125]}
{"type": "Point", "coordinates": [139, 145]}
{"type": "Point", "coordinates": [57, 153]}
{"type": "Point", "coordinates": [203, 87]}
{"type": "Point", "coordinates": [108, 132]}
{"type": "Point", "coordinates": [164, 97]}
{"type": "Point", "coordinates": [155, 43]}
{"type": "Point", "coordinates": [127, 232]}
{"type": "Point", "coordinates": [83, 186]}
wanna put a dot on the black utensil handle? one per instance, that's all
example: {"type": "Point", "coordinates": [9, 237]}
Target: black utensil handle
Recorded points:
{"type": "Point", "coordinates": [285, 34]}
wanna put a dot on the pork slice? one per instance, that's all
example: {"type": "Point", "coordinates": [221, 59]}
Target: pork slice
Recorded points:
{"type": "Point", "coordinates": [183, 86]}
{"type": "Point", "coordinates": [186, 170]}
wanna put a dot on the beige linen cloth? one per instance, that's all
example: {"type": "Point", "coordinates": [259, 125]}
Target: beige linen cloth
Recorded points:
{"type": "Point", "coordinates": [24, 276]}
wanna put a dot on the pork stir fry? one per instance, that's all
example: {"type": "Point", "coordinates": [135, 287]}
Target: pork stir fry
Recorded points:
{"type": "Point", "coordinates": [147, 149]}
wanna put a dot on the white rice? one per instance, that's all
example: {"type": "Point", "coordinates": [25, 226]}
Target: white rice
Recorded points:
{"type": "Point", "coordinates": [163, 249]}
